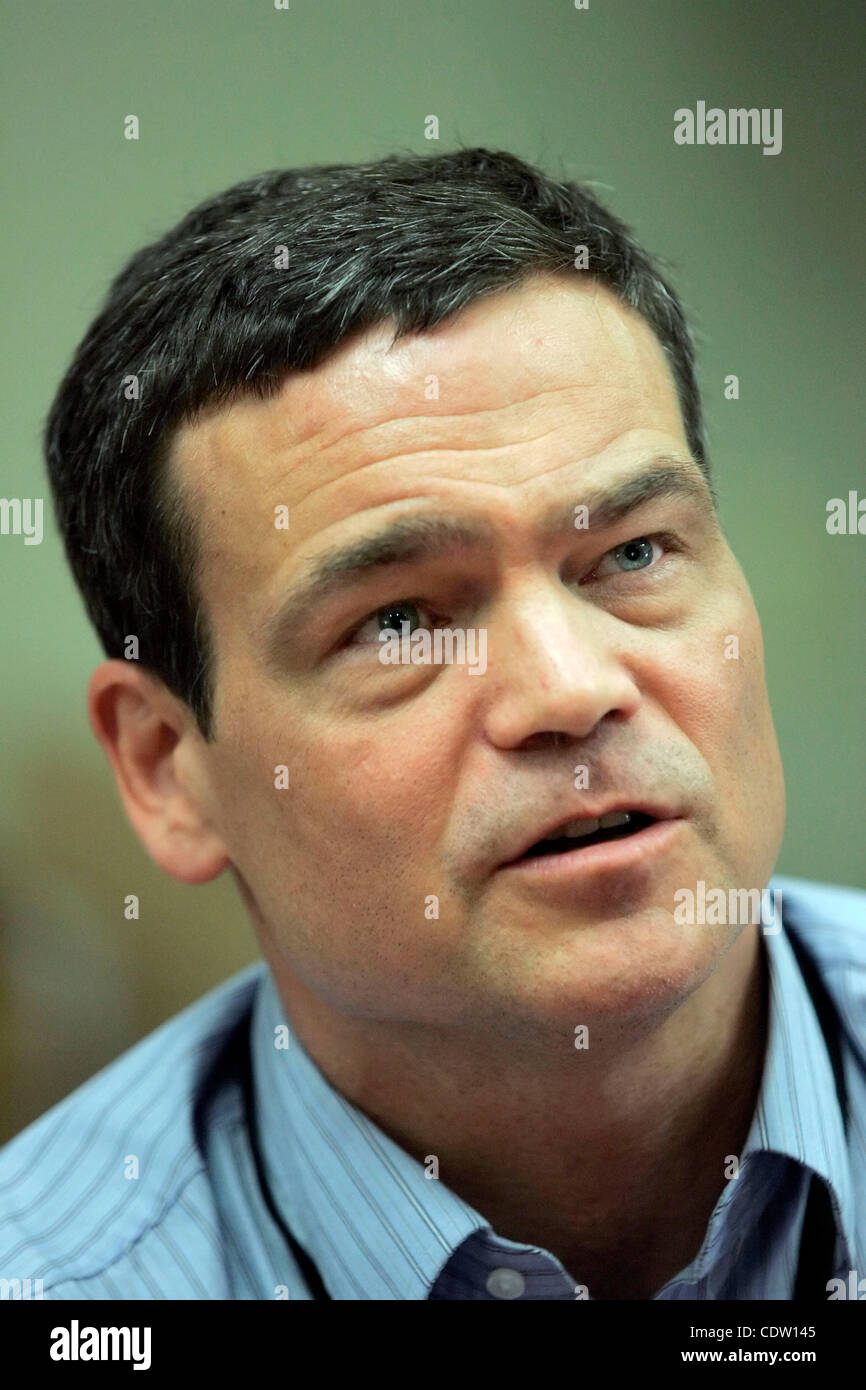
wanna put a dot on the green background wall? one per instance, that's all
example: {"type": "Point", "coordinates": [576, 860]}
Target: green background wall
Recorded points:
{"type": "Point", "coordinates": [767, 252]}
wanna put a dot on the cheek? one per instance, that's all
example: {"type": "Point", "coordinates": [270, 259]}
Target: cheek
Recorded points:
{"type": "Point", "coordinates": [362, 800]}
{"type": "Point", "coordinates": [718, 697]}
{"type": "Point", "coordinates": [394, 777]}
{"type": "Point", "coordinates": [756, 776]}
{"type": "Point", "coordinates": [743, 709]}
{"type": "Point", "coordinates": [713, 673]}
{"type": "Point", "coordinates": [341, 864]}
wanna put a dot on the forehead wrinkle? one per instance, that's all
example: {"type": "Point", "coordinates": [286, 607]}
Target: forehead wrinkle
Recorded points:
{"type": "Point", "coordinates": [293, 472]}
{"type": "Point", "coordinates": [440, 421]}
{"type": "Point", "coordinates": [312, 451]}
{"type": "Point", "coordinates": [295, 468]}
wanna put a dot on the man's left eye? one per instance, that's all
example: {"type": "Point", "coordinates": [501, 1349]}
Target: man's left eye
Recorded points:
{"type": "Point", "coordinates": [637, 554]}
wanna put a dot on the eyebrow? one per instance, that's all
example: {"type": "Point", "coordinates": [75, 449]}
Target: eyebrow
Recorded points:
{"type": "Point", "coordinates": [409, 540]}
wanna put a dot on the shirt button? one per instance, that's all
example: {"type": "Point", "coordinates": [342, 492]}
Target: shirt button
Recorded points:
{"type": "Point", "coordinates": [505, 1283]}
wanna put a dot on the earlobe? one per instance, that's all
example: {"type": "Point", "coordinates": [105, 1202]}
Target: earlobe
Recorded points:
{"type": "Point", "coordinates": [146, 734]}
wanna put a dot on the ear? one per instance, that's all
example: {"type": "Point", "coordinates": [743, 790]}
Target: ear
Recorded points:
{"type": "Point", "coordinates": [159, 760]}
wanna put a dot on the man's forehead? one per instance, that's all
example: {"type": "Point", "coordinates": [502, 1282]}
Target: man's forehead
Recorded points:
{"type": "Point", "coordinates": [550, 348]}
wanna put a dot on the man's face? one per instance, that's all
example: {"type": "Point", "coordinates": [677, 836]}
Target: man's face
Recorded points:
{"type": "Point", "coordinates": [377, 875]}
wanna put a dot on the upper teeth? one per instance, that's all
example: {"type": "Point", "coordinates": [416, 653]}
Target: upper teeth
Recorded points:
{"type": "Point", "coordinates": [576, 828]}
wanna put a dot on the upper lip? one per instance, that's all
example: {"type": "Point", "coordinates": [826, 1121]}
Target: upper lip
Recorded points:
{"type": "Point", "coordinates": [648, 808]}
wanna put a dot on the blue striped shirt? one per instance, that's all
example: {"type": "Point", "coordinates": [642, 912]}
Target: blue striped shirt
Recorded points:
{"type": "Point", "coordinates": [211, 1161]}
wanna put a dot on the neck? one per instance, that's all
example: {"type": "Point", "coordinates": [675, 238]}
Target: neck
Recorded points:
{"type": "Point", "coordinates": [612, 1159]}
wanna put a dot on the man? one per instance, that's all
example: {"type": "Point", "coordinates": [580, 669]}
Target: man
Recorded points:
{"type": "Point", "coordinates": [492, 1051]}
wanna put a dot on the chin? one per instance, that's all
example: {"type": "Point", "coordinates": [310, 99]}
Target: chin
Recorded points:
{"type": "Point", "coordinates": [627, 969]}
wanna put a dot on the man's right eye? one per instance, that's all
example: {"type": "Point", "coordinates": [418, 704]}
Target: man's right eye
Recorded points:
{"type": "Point", "coordinates": [391, 616]}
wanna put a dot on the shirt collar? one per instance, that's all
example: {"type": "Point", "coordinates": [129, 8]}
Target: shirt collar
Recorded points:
{"type": "Point", "coordinates": [377, 1227]}
{"type": "Point", "coordinates": [798, 1113]}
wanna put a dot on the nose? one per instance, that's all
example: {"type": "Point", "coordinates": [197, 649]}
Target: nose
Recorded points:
{"type": "Point", "coordinates": [554, 666]}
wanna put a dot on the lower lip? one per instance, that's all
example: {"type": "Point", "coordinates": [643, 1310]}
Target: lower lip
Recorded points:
{"type": "Point", "coordinates": [608, 856]}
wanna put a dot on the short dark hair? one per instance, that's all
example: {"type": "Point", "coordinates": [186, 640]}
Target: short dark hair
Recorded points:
{"type": "Point", "coordinates": [206, 315]}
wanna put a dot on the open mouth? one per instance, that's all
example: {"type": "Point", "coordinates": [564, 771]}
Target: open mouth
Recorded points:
{"type": "Point", "coordinates": [580, 834]}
